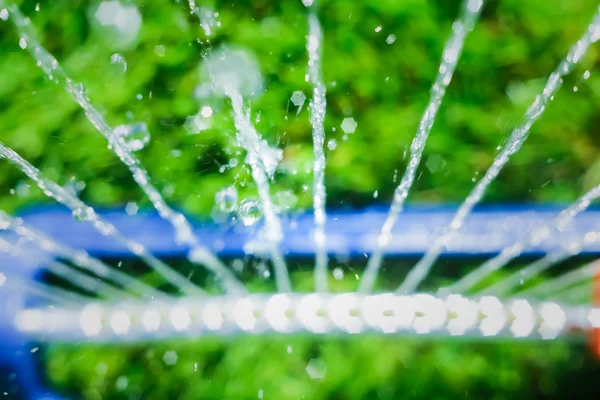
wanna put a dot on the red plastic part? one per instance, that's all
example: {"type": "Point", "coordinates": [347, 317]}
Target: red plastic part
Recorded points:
{"type": "Point", "coordinates": [596, 302]}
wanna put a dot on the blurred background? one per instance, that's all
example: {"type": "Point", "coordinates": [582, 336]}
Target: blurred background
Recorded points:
{"type": "Point", "coordinates": [380, 58]}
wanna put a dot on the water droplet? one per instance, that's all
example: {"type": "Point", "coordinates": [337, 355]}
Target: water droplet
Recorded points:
{"type": "Point", "coordinates": [23, 42]}
{"type": "Point", "coordinates": [575, 88]}
{"type": "Point", "coordinates": [119, 62]}
{"type": "Point", "coordinates": [349, 125]}
{"type": "Point", "coordinates": [586, 75]}
{"type": "Point", "coordinates": [316, 368]}
{"type": "Point", "coordinates": [332, 144]}
{"type": "Point", "coordinates": [390, 39]}
{"type": "Point", "coordinates": [285, 199]}
{"type": "Point", "coordinates": [135, 135]}
{"type": "Point", "coordinates": [338, 274]}
{"type": "Point", "coordinates": [238, 265]}
{"type": "Point", "coordinates": [435, 163]}
{"type": "Point", "coordinates": [168, 190]}
{"type": "Point", "coordinates": [170, 358]}
{"type": "Point", "coordinates": [125, 19]}
{"type": "Point", "coordinates": [378, 29]}
{"type": "Point", "coordinates": [101, 368]}
{"type": "Point", "coordinates": [4, 14]}
{"type": "Point", "coordinates": [249, 212]}
{"type": "Point", "coordinates": [298, 98]}
{"type": "Point", "coordinates": [131, 208]}
{"type": "Point", "coordinates": [376, 194]}
{"type": "Point", "coordinates": [232, 69]}
{"type": "Point", "coordinates": [206, 112]}
{"type": "Point", "coordinates": [227, 199]}
{"type": "Point", "coordinates": [122, 383]}
{"type": "Point", "coordinates": [22, 189]}
{"type": "Point", "coordinates": [195, 124]}
{"type": "Point", "coordinates": [160, 50]}
{"type": "Point", "coordinates": [37, 6]}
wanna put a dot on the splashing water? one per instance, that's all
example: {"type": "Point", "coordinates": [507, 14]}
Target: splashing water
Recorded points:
{"type": "Point", "coordinates": [184, 234]}
{"type": "Point", "coordinates": [514, 143]}
{"type": "Point", "coordinates": [78, 257]}
{"type": "Point", "coordinates": [519, 278]}
{"type": "Point", "coordinates": [136, 136]}
{"type": "Point", "coordinates": [51, 293]}
{"type": "Point", "coordinates": [236, 75]}
{"type": "Point", "coordinates": [450, 56]}
{"type": "Point", "coordinates": [568, 249]}
{"type": "Point", "coordinates": [251, 142]}
{"type": "Point", "coordinates": [565, 280]}
{"type": "Point", "coordinates": [80, 279]}
{"type": "Point", "coordinates": [536, 237]}
{"type": "Point", "coordinates": [249, 212]}
{"type": "Point", "coordinates": [233, 73]}
{"type": "Point", "coordinates": [208, 18]}
{"type": "Point", "coordinates": [318, 107]}
{"type": "Point", "coordinates": [83, 212]}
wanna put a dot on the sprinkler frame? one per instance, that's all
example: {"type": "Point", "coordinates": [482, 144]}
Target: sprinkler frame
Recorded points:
{"type": "Point", "coordinates": [350, 233]}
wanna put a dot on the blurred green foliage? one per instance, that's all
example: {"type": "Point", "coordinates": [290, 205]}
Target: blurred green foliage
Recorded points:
{"type": "Point", "coordinates": [369, 367]}
{"type": "Point", "coordinates": [384, 87]}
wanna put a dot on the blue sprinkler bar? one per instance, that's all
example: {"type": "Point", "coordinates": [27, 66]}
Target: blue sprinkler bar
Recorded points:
{"type": "Point", "coordinates": [487, 231]}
